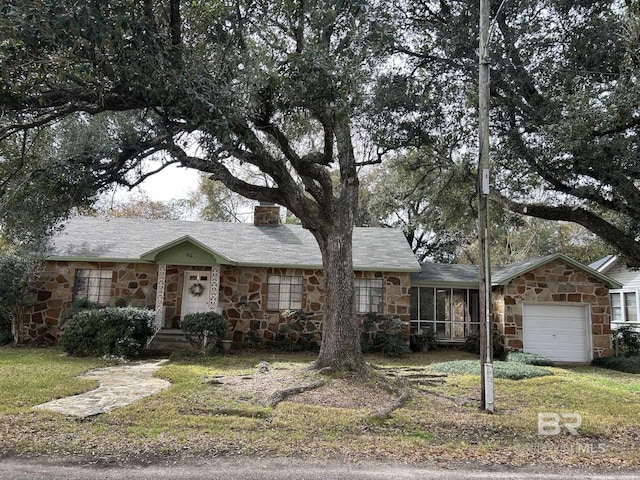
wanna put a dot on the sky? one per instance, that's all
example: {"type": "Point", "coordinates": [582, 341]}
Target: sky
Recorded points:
{"type": "Point", "coordinates": [171, 183]}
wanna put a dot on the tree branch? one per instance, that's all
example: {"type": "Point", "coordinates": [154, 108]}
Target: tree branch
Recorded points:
{"type": "Point", "coordinates": [605, 230]}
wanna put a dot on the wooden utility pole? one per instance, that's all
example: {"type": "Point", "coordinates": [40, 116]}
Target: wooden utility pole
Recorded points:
{"type": "Point", "coordinates": [484, 265]}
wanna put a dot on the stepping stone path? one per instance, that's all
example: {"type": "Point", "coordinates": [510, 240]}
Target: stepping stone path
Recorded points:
{"type": "Point", "coordinates": [119, 386]}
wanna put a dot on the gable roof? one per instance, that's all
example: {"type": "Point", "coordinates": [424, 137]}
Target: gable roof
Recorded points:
{"type": "Point", "coordinates": [604, 264]}
{"type": "Point", "coordinates": [467, 275]}
{"type": "Point", "coordinates": [127, 239]}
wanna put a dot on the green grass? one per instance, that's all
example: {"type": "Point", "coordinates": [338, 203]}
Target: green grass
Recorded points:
{"type": "Point", "coordinates": [32, 376]}
{"type": "Point", "coordinates": [510, 370]}
{"type": "Point", "coordinates": [442, 421]}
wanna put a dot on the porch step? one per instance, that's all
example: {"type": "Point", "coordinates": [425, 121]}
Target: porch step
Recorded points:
{"type": "Point", "coordinates": [170, 340]}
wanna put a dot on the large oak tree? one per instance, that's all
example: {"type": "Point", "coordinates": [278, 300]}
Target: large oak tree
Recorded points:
{"type": "Point", "coordinates": [217, 86]}
{"type": "Point", "coordinates": [565, 94]}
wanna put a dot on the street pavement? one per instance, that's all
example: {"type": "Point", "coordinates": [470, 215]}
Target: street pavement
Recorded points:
{"type": "Point", "coordinates": [39, 468]}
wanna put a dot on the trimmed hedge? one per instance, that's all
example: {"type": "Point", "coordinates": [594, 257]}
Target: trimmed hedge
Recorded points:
{"type": "Point", "coordinates": [529, 359]}
{"type": "Point", "coordinates": [621, 364]}
{"type": "Point", "coordinates": [204, 329]}
{"type": "Point", "coordinates": [510, 370]}
{"type": "Point", "coordinates": [119, 332]}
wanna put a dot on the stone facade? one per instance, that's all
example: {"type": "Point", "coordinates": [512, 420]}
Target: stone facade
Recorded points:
{"type": "Point", "coordinates": [553, 282]}
{"type": "Point", "coordinates": [242, 299]}
{"type": "Point", "coordinates": [134, 283]}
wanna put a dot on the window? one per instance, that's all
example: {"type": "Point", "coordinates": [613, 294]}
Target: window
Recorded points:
{"type": "Point", "coordinates": [624, 306]}
{"type": "Point", "coordinates": [284, 292]}
{"type": "Point", "coordinates": [93, 284]}
{"type": "Point", "coordinates": [368, 296]}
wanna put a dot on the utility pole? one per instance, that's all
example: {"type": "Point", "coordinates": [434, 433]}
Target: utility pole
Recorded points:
{"type": "Point", "coordinates": [484, 265]}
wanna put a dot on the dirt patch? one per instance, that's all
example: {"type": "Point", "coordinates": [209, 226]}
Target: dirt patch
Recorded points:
{"type": "Point", "coordinates": [302, 385]}
{"type": "Point", "coordinates": [347, 393]}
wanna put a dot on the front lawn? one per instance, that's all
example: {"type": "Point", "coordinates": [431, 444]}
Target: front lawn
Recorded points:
{"type": "Point", "coordinates": [441, 422]}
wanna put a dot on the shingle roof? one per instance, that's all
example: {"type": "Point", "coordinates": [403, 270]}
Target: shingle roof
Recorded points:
{"type": "Point", "coordinates": [119, 239]}
{"type": "Point", "coordinates": [603, 264]}
{"type": "Point", "coordinates": [447, 274]}
{"type": "Point", "coordinates": [467, 275]}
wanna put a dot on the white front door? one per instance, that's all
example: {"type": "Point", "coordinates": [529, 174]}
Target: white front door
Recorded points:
{"type": "Point", "coordinates": [196, 292]}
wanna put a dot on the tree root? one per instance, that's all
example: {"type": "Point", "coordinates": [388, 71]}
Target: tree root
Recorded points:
{"type": "Point", "coordinates": [458, 401]}
{"type": "Point", "coordinates": [277, 397]}
{"type": "Point", "coordinates": [402, 390]}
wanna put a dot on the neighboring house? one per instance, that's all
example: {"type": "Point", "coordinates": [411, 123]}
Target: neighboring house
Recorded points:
{"type": "Point", "coordinates": [553, 306]}
{"type": "Point", "coordinates": [255, 274]}
{"type": "Point", "coordinates": [625, 304]}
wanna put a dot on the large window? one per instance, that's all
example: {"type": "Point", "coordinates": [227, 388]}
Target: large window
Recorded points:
{"type": "Point", "coordinates": [624, 306]}
{"type": "Point", "coordinates": [368, 295]}
{"type": "Point", "coordinates": [93, 284]}
{"type": "Point", "coordinates": [284, 292]}
{"type": "Point", "coordinates": [452, 313]}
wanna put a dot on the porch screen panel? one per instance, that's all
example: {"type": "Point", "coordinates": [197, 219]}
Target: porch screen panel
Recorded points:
{"type": "Point", "coordinates": [426, 308]}
{"type": "Point", "coordinates": [460, 314]}
{"type": "Point", "coordinates": [443, 313]}
{"type": "Point", "coordinates": [474, 312]}
{"type": "Point", "coordinates": [413, 309]}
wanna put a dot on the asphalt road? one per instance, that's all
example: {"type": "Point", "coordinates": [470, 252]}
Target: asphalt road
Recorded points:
{"type": "Point", "coordinates": [19, 468]}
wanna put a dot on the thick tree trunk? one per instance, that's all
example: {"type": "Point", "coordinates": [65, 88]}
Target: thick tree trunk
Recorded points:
{"type": "Point", "coordinates": [340, 349]}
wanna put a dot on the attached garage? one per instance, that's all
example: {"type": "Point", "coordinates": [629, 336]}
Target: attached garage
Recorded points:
{"type": "Point", "coordinates": [557, 331]}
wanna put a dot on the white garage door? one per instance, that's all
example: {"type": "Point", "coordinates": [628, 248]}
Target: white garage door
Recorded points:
{"type": "Point", "coordinates": [558, 332]}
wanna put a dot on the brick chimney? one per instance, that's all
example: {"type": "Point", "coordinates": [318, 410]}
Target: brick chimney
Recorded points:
{"type": "Point", "coordinates": [266, 215]}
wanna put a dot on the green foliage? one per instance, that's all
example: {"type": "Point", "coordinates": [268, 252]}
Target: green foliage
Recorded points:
{"type": "Point", "coordinates": [472, 344]}
{"type": "Point", "coordinates": [291, 335]}
{"type": "Point", "coordinates": [510, 370]}
{"type": "Point", "coordinates": [423, 340]}
{"type": "Point", "coordinates": [621, 364]}
{"type": "Point", "coordinates": [16, 275]}
{"type": "Point", "coordinates": [204, 329]}
{"type": "Point", "coordinates": [120, 332]}
{"type": "Point", "coordinates": [529, 359]}
{"type": "Point", "coordinates": [215, 202]}
{"type": "Point", "coordinates": [627, 339]}
{"type": "Point", "coordinates": [385, 334]}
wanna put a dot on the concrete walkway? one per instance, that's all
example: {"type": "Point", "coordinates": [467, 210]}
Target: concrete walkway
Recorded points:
{"type": "Point", "coordinates": [119, 386]}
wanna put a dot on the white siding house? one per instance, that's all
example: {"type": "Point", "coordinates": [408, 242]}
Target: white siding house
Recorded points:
{"type": "Point", "coordinates": [625, 302]}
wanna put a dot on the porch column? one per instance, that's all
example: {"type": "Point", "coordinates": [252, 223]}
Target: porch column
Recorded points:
{"type": "Point", "coordinates": [162, 278]}
{"type": "Point", "coordinates": [214, 290]}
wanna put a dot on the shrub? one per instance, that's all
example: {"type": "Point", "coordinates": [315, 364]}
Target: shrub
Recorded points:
{"type": "Point", "coordinates": [509, 370]}
{"type": "Point", "coordinates": [120, 332]}
{"type": "Point", "coordinates": [16, 275]}
{"type": "Point", "coordinates": [384, 334]}
{"type": "Point", "coordinates": [627, 340]}
{"type": "Point", "coordinates": [472, 345]}
{"type": "Point", "coordinates": [529, 359]}
{"type": "Point", "coordinates": [621, 364]}
{"type": "Point", "coordinates": [204, 329]}
{"type": "Point", "coordinates": [423, 340]}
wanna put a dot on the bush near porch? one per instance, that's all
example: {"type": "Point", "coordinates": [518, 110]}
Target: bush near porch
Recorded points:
{"type": "Point", "coordinates": [112, 331]}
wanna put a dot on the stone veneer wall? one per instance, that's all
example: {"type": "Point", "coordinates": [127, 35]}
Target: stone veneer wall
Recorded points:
{"type": "Point", "coordinates": [242, 297]}
{"type": "Point", "coordinates": [553, 282]}
{"type": "Point", "coordinates": [53, 295]}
